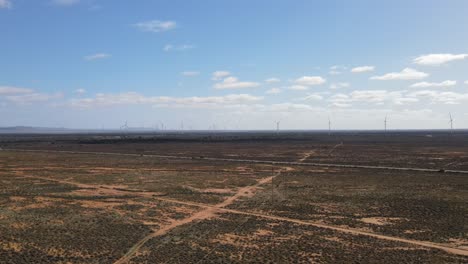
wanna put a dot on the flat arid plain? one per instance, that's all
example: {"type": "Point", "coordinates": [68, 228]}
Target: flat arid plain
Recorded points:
{"type": "Point", "coordinates": [294, 197]}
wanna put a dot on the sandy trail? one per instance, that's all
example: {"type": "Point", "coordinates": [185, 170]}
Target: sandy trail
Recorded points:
{"type": "Point", "coordinates": [207, 212]}
{"type": "Point", "coordinates": [352, 231]}
{"type": "Point", "coordinates": [335, 147]}
{"type": "Point", "coordinates": [306, 156]}
{"type": "Point", "coordinates": [210, 211]}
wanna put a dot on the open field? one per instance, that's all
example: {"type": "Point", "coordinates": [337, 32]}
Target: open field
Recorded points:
{"type": "Point", "coordinates": [83, 199]}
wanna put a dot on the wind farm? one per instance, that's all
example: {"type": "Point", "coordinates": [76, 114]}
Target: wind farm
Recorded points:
{"type": "Point", "coordinates": [212, 196]}
{"type": "Point", "coordinates": [232, 132]}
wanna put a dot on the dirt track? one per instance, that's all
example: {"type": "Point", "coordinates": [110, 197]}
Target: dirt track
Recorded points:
{"type": "Point", "coordinates": [210, 211]}
{"type": "Point", "coordinates": [285, 163]}
{"type": "Point", "coordinates": [207, 212]}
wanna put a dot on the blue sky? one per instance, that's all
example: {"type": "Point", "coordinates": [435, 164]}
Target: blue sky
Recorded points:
{"type": "Point", "coordinates": [233, 64]}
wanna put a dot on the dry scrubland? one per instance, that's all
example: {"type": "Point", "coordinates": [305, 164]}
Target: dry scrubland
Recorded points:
{"type": "Point", "coordinates": [58, 207]}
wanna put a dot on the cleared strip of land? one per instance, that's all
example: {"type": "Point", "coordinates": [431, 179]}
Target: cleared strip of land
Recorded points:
{"type": "Point", "coordinates": [288, 163]}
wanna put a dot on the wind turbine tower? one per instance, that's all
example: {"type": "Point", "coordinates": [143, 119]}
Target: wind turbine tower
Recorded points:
{"type": "Point", "coordinates": [125, 129]}
{"type": "Point", "coordinates": [385, 124]}
{"type": "Point", "coordinates": [451, 123]}
{"type": "Point", "coordinates": [329, 126]}
{"type": "Point", "coordinates": [277, 126]}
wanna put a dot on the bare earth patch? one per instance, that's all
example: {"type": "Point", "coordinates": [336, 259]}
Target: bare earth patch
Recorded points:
{"type": "Point", "coordinates": [381, 220]}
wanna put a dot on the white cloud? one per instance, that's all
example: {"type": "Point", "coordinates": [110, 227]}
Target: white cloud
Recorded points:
{"type": "Point", "coordinates": [132, 98]}
{"type": "Point", "coordinates": [289, 107]}
{"type": "Point", "coordinates": [313, 97]}
{"type": "Point", "coordinates": [438, 59]}
{"type": "Point", "coordinates": [234, 83]}
{"type": "Point", "coordinates": [340, 101]}
{"type": "Point", "coordinates": [98, 56]}
{"type": "Point", "coordinates": [310, 80]}
{"type": "Point", "coordinates": [405, 74]}
{"type": "Point", "coordinates": [25, 96]}
{"type": "Point", "coordinates": [466, 82]}
{"type": "Point", "coordinates": [377, 97]}
{"type": "Point", "coordinates": [373, 96]}
{"type": "Point", "coordinates": [362, 69]}
{"type": "Point", "coordinates": [445, 84]}
{"type": "Point", "coordinates": [218, 75]}
{"type": "Point", "coordinates": [272, 80]}
{"type": "Point", "coordinates": [274, 91]}
{"type": "Point", "coordinates": [336, 69]}
{"type": "Point", "coordinates": [335, 86]}
{"type": "Point", "coordinates": [65, 2]}
{"type": "Point", "coordinates": [6, 4]}
{"type": "Point", "coordinates": [298, 88]}
{"type": "Point", "coordinates": [80, 91]}
{"type": "Point", "coordinates": [156, 26]}
{"type": "Point", "coordinates": [450, 98]}
{"type": "Point", "coordinates": [190, 73]}
{"type": "Point", "coordinates": [33, 98]}
{"type": "Point", "coordinates": [9, 90]}
{"type": "Point", "coordinates": [170, 47]}
{"type": "Point", "coordinates": [384, 97]}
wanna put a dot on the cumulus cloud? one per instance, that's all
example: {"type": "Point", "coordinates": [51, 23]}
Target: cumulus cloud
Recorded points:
{"type": "Point", "coordinates": [6, 4]}
{"type": "Point", "coordinates": [336, 69]}
{"type": "Point", "coordinates": [384, 97]}
{"type": "Point", "coordinates": [405, 74]}
{"type": "Point", "coordinates": [466, 82]}
{"type": "Point", "coordinates": [298, 88]}
{"type": "Point", "coordinates": [362, 69]}
{"type": "Point", "coordinates": [272, 80]}
{"type": "Point", "coordinates": [170, 47]}
{"type": "Point", "coordinates": [310, 81]}
{"type": "Point", "coordinates": [374, 96]}
{"type": "Point", "coordinates": [132, 98]}
{"type": "Point", "coordinates": [450, 98]}
{"type": "Point", "coordinates": [156, 26]}
{"type": "Point", "coordinates": [438, 59]}
{"type": "Point", "coordinates": [19, 95]}
{"type": "Point", "coordinates": [65, 2]}
{"type": "Point", "coordinates": [218, 75]}
{"type": "Point", "coordinates": [190, 73]}
{"type": "Point", "coordinates": [274, 91]}
{"type": "Point", "coordinates": [288, 107]}
{"type": "Point", "coordinates": [377, 97]}
{"type": "Point", "coordinates": [33, 98]}
{"type": "Point", "coordinates": [234, 83]}
{"type": "Point", "coordinates": [443, 84]}
{"type": "Point", "coordinates": [10, 90]}
{"type": "Point", "coordinates": [313, 97]}
{"type": "Point", "coordinates": [340, 85]}
{"type": "Point", "coordinates": [98, 56]}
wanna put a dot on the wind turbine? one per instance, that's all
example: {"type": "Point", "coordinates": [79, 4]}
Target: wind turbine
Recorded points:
{"type": "Point", "coordinates": [277, 126]}
{"type": "Point", "coordinates": [329, 126]}
{"type": "Point", "coordinates": [451, 123]}
{"type": "Point", "coordinates": [385, 124]}
{"type": "Point", "coordinates": [124, 126]}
